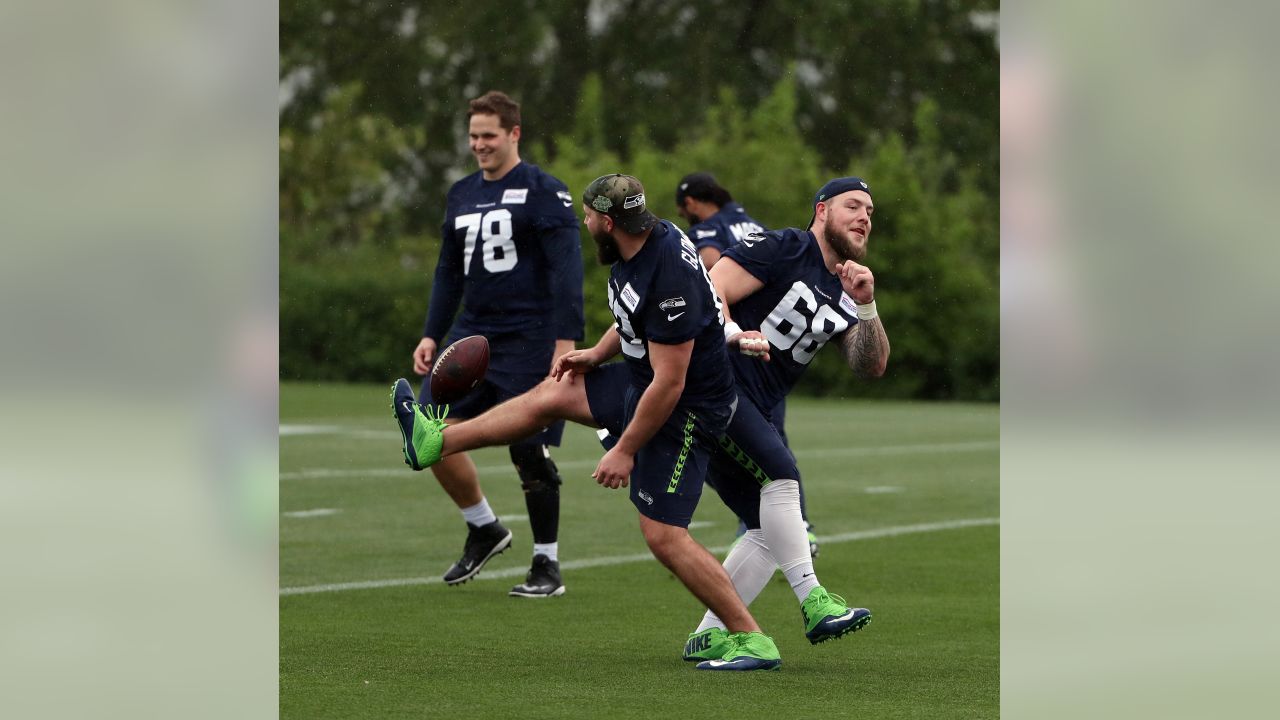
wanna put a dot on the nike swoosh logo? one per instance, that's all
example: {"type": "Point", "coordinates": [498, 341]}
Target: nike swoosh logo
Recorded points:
{"type": "Point", "coordinates": [673, 317]}
{"type": "Point", "coordinates": [408, 406]}
{"type": "Point", "coordinates": [807, 575]}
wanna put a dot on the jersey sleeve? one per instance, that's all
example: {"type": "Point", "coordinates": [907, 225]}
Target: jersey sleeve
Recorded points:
{"type": "Point", "coordinates": [708, 235]}
{"type": "Point", "coordinates": [679, 302]}
{"type": "Point", "coordinates": [758, 254]}
{"type": "Point", "coordinates": [849, 310]}
{"type": "Point", "coordinates": [446, 288]}
{"type": "Point", "coordinates": [553, 204]}
{"type": "Point", "coordinates": [562, 245]}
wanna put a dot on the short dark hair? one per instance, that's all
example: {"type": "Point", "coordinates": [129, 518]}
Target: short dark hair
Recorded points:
{"type": "Point", "coordinates": [497, 103]}
{"type": "Point", "coordinates": [702, 186]}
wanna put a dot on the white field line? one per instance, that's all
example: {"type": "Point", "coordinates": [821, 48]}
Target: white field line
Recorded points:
{"type": "Point", "coordinates": [917, 449]}
{"type": "Point", "coordinates": [318, 512]}
{"type": "Point", "coordinates": [640, 557]}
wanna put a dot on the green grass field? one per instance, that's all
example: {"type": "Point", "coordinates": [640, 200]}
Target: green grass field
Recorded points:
{"type": "Point", "coordinates": [904, 495]}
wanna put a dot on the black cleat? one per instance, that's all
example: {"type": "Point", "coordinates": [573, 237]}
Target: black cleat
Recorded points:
{"type": "Point", "coordinates": [543, 580]}
{"type": "Point", "coordinates": [483, 542]}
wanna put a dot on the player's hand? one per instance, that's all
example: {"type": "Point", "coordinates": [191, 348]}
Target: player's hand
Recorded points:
{"type": "Point", "coordinates": [424, 355]}
{"type": "Point", "coordinates": [614, 469]}
{"type": "Point", "coordinates": [574, 362]}
{"type": "Point", "coordinates": [858, 282]}
{"type": "Point", "coordinates": [562, 347]}
{"type": "Point", "coordinates": [751, 343]}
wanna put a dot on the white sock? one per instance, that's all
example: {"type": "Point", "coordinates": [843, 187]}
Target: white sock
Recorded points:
{"type": "Point", "coordinates": [749, 565]}
{"type": "Point", "coordinates": [548, 549]}
{"type": "Point", "coordinates": [785, 536]}
{"type": "Point", "coordinates": [479, 514]}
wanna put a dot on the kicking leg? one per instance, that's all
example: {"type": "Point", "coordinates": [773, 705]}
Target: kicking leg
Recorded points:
{"type": "Point", "coordinates": [521, 416]}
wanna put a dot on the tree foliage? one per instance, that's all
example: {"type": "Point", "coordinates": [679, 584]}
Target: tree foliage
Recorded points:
{"type": "Point", "coordinates": [859, 68]}
{"type": "Point", "coordinates": [772, 98]}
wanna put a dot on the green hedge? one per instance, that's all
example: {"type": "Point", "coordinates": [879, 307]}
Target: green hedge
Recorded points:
{"type": "Point", "coordinates": [354, 322]}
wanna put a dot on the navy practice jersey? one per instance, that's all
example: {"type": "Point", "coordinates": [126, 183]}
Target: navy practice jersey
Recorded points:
{"type": "Point", "coordinates": [801, 306]}
{"type": "Point", "coordinates": [663, 295]}
{"type": "Point", "coordinates": [724, 229]}
{"type": "Point", "coordinates": [511, 253]}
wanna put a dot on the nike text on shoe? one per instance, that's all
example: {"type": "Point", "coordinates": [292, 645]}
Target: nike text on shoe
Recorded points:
{"type": "Point", "coordinates": [483, 542]}
{"type": "Point", "coordinates": [423, 432]}
{"type": "Point", "coordinates": [710, 644]}
{"type": "Point", "coordinates": [747, 651]}
{"type": "Point", "coordinates": [542, 581]}
{"type": "Point", "coordinates": [826, 617]}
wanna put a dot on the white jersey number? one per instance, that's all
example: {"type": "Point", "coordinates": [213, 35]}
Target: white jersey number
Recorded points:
{"type": "Point", "coordinates": [497, 250]}
{"type": "Point", "coordinates": [806, 332]}
{"type": "Point", "coordinates": [632, 346]}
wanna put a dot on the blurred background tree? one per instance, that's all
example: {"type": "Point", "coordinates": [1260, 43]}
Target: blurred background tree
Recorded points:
{"type": "Point", "coordinates": [771, 97]}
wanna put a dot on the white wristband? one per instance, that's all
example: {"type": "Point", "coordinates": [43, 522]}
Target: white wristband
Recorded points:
{"type": "Point", "coordinates": [868, 311]}
{"type": "Point", "coordinates": [730, 329]}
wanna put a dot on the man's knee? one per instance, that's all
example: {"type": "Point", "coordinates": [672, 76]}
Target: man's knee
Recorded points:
{"type": "Point", "coordinates": [534, 466]}
{"type": "Point", "coordinates": [663, 539]}
{"type": "Point", "coordinates": [554, 397]}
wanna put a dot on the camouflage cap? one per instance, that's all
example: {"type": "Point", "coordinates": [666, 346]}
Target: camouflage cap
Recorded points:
{"type": "Point", "coordinates": [621, 197]}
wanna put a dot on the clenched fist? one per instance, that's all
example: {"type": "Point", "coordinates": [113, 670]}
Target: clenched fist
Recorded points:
{"type": "Point", "coordinates": [858, 282]}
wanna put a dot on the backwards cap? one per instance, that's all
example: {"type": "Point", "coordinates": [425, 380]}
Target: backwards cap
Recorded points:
{"type": "Point", "coordinates": [621, 197]}
{"type": "Point", "coordinates": [838, 186]}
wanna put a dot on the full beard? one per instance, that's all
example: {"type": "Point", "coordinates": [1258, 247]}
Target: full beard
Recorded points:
{"type": "Point", "coordinates": [843, 243]}
{"type": "Point", "coordinates": [607, 251]}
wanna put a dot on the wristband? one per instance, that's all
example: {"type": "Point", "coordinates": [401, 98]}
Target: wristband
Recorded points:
{"type": "Point", "coordinates": [868, 311]}
{"type": "Point", "coordinates": [730, 329]}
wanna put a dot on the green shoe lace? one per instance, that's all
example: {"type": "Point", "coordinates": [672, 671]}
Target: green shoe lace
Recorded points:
{"type": "Point", "coordinates": [752, 644]}
{"type": "Point", "coordinates": [428, 433]}
{"type": "Point", "coordinates": [819, 605]}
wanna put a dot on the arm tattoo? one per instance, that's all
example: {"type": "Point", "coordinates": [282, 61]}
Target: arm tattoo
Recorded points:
{"type": "Point", "coordinates": [866, 348]}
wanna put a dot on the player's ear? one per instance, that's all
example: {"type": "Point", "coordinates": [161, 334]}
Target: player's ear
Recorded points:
{"type": "Point", "coordinates": [515, 133]}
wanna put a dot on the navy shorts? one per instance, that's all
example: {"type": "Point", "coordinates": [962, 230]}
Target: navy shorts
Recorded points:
{"type": "Point", "coordinates": [750, 455]}
{"type": "Point", "coordinates": [666, 481]}
{"type": "Point", "coordinates": [516, 365]}
{"type": "Point", "coordinates": [778, 418]}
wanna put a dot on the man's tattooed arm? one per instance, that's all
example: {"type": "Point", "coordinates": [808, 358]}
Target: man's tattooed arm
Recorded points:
{"type": "Point", "coordinates": [866, 348]}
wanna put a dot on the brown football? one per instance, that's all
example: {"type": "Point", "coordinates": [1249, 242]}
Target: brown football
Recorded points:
{"type": "Point", "coordinates": [459, 369]}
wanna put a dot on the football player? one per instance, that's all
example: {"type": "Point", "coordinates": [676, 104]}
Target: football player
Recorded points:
{"type": "Point", "coordinates": [511, 255]}
{"type": "Point", "coordinates": [786, 294]}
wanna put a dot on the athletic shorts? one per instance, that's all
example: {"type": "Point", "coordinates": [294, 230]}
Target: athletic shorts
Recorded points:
{"type": "Point", "coordinates": [510, 373]}
{"type": "Point", "coordinates": [666, 481]}
{"type": "Point", "coordinates": [750, 455]}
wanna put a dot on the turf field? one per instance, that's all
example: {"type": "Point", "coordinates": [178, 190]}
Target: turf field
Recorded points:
{"type": "Point", "coordinates": [905, 497]}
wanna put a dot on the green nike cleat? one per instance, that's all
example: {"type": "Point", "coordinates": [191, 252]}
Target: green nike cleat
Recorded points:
{"type": "Point", "coordinates": [826, 617]}
{"type": "Point", "coordinates": [423, 432]}
{"type": "Point", "coordinates": [747, 651]}
{"type": "Point", "coordinates": [709, 644]}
